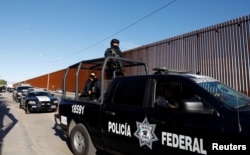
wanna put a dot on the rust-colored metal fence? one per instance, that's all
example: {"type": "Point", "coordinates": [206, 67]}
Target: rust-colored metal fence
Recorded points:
{"type": "Point", "coordinates": [221, 51]}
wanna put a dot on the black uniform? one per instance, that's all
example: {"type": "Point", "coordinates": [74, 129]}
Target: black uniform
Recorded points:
{"type": "Point", "coordinates": [114, 67]}
{"type": "Point", "coordinates": [94, 87]}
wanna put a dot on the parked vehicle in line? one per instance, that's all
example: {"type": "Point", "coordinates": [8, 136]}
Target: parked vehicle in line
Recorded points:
{"type": "Point", "coordinates": [59, 91]}
{"type": "Point", "coordinates": [39, 100]}
{"type": "Point", "coordinates": [17, 94]}
{"type": "Point", "coordinates": [2, 89]}
{"type": "Point", "coordinates": [210, 118]}
{"type": "Point", "coordinates": [10, 89]}
{"type": "Point", "coordinates": [23, 96]}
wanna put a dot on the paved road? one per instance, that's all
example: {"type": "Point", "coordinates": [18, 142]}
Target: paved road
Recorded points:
{"type": "Point", "coordinates": [29, 134]}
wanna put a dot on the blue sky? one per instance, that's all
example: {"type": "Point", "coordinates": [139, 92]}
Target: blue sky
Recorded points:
{"type": "Point", "coordinates": [41, 36]}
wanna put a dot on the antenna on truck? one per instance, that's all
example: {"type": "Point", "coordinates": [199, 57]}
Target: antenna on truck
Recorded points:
{"type": "Point", "coordinates": [238, 115]}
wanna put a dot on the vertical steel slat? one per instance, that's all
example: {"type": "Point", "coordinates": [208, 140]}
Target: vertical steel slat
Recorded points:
{"type": "Point", "coordinates": [212, 57]}
{"type": "Point", "coordinates": [222, 64]}
{"type": "Point", "coordinates": [221, 55]}
{"type": "Point", "coordinates": [216, 49]}
{"type": "Point", "coordinates": [241, 61]}
{"type": "Point", "coordinates": [227, 49]}
{"type": "Point", "coordinates": [237, 67]}
{"type": "Point", "coordinates": [235, 53]}
{"type": "Point", "coordinates": [244, 56]}
{"type": "Point", "coordinates": [247, 47]}
{"type": "Point", "coordinates": [244, 67]}
{"type": "Point", "coordinates": [231, 55]}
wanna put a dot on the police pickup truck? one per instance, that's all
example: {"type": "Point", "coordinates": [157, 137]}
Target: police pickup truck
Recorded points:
{"type": "Point", "coordinates": [210, 118]}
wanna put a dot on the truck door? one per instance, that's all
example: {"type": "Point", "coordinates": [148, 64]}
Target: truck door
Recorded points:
{"type": "Point", "coordinates": [122, 109]}
{"type": "Point", "coordinates": [187, 129]}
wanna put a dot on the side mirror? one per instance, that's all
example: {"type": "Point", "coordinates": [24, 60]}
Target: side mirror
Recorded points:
{"type": "Point", "coordinates": [193, 106]}
{"type": "Point", "coordinates": [197, 106]}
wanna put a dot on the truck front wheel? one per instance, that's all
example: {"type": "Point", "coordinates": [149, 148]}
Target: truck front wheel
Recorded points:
{"type": "Point", "coordinates": [81, 143]}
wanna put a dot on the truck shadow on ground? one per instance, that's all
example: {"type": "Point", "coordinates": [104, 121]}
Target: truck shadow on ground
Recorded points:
{"type": "Point", "coordinates": [7, 120]}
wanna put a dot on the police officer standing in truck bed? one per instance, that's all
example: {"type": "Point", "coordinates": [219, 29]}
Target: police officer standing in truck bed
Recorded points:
{"type": "Point", "coordinates": [114, 67]}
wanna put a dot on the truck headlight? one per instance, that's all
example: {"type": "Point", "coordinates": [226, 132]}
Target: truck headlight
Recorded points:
{"type": "Point", "coordinates": [55, 102]}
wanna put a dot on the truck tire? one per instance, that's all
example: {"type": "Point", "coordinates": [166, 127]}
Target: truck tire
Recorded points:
{"type": "Point", "coordinates": [81, 143]}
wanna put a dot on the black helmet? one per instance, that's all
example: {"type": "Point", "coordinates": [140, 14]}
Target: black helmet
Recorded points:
{"type": "Point", "coordinates": [114, 41]}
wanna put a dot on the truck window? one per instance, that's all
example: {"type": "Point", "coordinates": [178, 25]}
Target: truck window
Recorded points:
{"type": "Point", "coordinates": [187, 99]}
{"type": "Point", "coordinates": [167, 94]}
{"type": "Point", "coordinates": [130, 92]}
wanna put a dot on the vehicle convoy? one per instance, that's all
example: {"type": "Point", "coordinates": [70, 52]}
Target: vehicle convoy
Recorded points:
{"type": "Point", "coordinates": [210, 118]}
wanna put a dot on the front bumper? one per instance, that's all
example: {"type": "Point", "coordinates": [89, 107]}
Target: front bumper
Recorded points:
{"type": "Point", "coordinates": [42, 107]}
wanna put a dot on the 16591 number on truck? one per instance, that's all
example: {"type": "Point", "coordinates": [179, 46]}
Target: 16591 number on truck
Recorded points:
{"type": "Point", "coordinates": [209, 117]}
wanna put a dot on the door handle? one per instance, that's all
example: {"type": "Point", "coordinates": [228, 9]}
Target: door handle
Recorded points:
{"type": "Point", "coordinates": [110, 113]}
{"type": "Point", "coordinates": [155, 120]}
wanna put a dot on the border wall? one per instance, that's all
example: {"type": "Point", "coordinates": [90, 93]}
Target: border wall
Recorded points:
{"type": "Point", "coordinates": [221, 51]}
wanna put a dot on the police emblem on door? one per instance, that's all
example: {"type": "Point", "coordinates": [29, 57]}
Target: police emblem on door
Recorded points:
{"type": "Point", "coordinates": [145, 133]}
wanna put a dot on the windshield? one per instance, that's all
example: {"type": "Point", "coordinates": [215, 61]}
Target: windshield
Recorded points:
{"type": "Point", "coordinates": [227, 95]}
{"type": "Point", "coordinates": [39, 94]}
{"type": "Point", "coordinates": [22, 88]}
